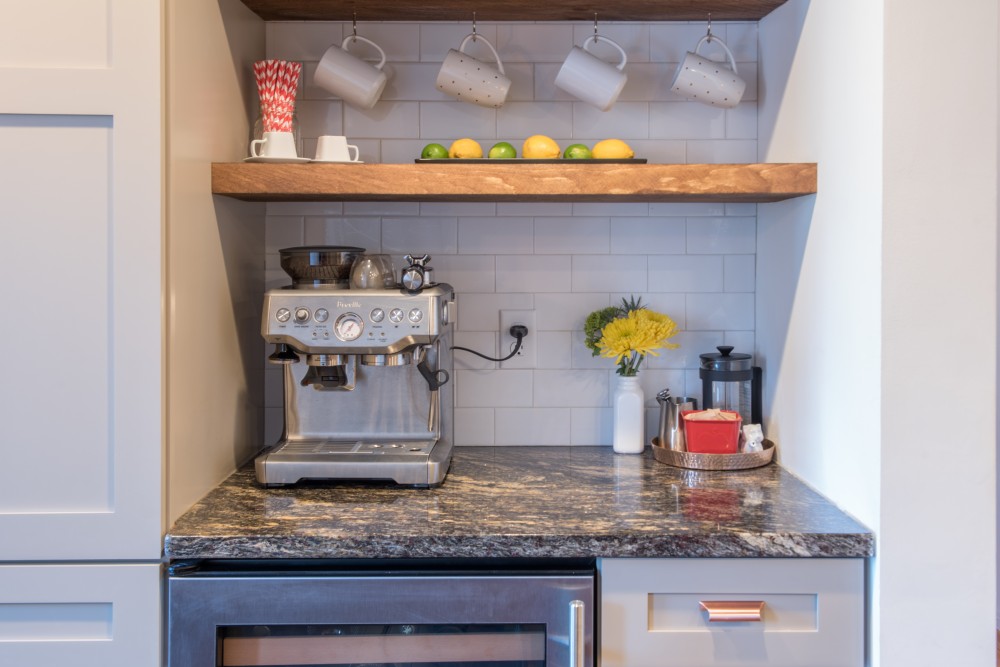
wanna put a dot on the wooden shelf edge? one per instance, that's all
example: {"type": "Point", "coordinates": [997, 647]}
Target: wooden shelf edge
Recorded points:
{"type": "Point", "coordinates": [512, 10]}
{"type": "Point", "coordinates": [561, 181]}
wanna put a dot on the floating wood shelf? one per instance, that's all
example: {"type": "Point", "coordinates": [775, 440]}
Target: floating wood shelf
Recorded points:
{"type": "Point", "coordinates": [560, 181]}
{"type": "Point", "coordinates": [512, 10]}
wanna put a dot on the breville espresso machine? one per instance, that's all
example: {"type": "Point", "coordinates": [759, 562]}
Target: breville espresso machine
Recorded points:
{"type": "Point", "coordinates": [367, 373]}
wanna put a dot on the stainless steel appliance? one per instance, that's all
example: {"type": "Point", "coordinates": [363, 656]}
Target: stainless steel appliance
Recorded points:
{"type": "Point", "coordinates": [460, 613]}
{"type": "Point", "coordinates": [367, 390]}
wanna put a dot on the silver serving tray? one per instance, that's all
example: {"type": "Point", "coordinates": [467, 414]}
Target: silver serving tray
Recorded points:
{"type": "Point", "coordinates": [740, 461]}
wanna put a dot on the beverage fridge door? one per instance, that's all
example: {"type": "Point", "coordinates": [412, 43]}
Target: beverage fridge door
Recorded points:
{"type": "Point", "coordinates": [456, 619]}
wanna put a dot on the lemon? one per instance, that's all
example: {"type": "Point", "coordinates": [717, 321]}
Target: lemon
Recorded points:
{"type": "Point", "coordinates": [612, 149]}
{"type": "Point", "coordinates": [434, 152]}
{"type": "Point", "coordinates": [539, 146]}
{"type": "Point", "coordinates": [577, 152]}
{"type": "Point", "coordinates": [502, 150]}
{"type": "Point", "coordinates": [465, 148]}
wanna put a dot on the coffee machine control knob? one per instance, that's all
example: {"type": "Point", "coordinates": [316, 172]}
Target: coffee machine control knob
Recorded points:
{"type": "Point", "coordinates": [283, 315]}
{"type": "Point", "coordinates": [301, 315]}
{"type": "Point", "coordinates": [415, 316]}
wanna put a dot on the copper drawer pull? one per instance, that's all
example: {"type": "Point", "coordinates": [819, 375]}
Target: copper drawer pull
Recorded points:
{"type": "Point", "coordinates": [728, 611]}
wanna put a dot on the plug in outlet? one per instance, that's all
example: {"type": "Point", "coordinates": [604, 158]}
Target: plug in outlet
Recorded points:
{"type": "Point", "coordinates": [525, 357]}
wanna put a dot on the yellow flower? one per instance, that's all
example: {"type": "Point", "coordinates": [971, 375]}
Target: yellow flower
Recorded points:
{"type": "Point", "coordinates": [629, 339]}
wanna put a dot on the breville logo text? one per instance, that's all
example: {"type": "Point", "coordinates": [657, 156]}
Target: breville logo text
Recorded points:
{"type": "Point", "coordinates": [352, 304]}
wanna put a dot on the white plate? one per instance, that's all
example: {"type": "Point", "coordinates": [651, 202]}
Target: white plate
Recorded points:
{"type": "Point", "coordinates": [278, 160]}
{"type": "Point", "coordinates": [340, 161]}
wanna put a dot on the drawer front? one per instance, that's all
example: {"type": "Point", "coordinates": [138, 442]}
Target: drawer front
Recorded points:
{"type": "Point", "coordinates": [652, 612]}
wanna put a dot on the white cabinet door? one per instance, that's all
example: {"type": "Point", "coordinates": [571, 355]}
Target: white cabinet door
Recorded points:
{"type": "Point", "coordinates": [811, 612]}
{"type": "Point", "coordinates": [80, 615]}
{"type": "Point", "coordinates": [80, 237]}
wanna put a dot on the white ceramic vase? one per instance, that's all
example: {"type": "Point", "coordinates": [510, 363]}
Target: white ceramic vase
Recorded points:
{"type": "Point", "coordinates": [629, 417]}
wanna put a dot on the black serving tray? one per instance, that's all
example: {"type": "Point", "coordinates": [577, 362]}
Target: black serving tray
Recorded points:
{"type": "Point", "coordinates": [520, 160]}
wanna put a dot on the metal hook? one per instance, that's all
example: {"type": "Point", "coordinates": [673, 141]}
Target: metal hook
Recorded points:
{"type": "Point", "coordinates": [595, 24]}
{"type": "Point", "coordinates": [473, 26]}
{"type": "Point", "coordinates": [355, 25]}
{"type": "Point", "coordinates": [710, 27]}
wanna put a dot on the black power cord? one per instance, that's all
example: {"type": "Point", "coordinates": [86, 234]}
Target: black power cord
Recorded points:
{"type": "Point", "coordinates": [518, 331]}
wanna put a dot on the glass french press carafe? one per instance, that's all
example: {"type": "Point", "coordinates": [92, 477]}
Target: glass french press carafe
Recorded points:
{"type": "Point", "coordinates": [731, 382]}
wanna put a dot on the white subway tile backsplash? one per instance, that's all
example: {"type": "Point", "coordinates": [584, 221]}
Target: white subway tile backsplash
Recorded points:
{"type": "Point", "coordinates": [386, 120]}
{"type": "Point", "coordinates": [445, 119]}
{"type": "Point", "coordinates": [625, 120]}
{"type": "Point", "coordinates": [685, 273]}
{"type": "Point", "coordinates": [533, 273]}
{"type": "Point", "coordinates": [420, 235]}
{"type": "Point", "coordinates": [720, 311]}
{"type": "Point", "coordinates": [609, 273]}
{"type": "Point", "coordinates": [686, 120]}
{"type": "Point", "coordinates": [474, 426]}
{"type": "Point", "coordinates": [742, 341]}
{"type": "Point", "coordinates": [466, 273]}
{"type": "Point", "coordinates": [741, 273]}
{"type": "Point", "coordinates": [571, 389]}
{"type": "Point", "coordinates": [534, 42]}
{"type": "Point", "coordinates": [517, 121]}
{"type": "Point", "coordinates": [721, 235]}
{"type": "Point", "coordinates": [645, 235]}
{"type": "Point", "coordinates": [493, 389]}
{"type": "Point", "coordinates": [495, 236]}
{"type": "Point", "coordinates": [591, 426]}
{"type": "Point", "coordinates": [481, 312]}
{"type": "Point", "coordinates": [562, 260]}
{"type": "Point", "coordinates": [575, 235]}
{"type": "Point", "coordinates": [532, 426]}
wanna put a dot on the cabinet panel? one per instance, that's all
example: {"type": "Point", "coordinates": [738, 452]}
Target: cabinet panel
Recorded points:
{"type": "Point", "coordinates": [652, 615]}
{"type": "Point", "coordinates": [81, 186]}
{"type": "Point", "coordinates": [81, 615]}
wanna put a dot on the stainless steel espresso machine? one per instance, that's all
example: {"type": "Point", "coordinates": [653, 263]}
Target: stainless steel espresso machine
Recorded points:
{"type": "Point", "coordinates": [367, 372]}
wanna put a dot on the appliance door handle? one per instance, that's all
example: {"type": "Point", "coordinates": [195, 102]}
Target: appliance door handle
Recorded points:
{"type": "Point", "coordinates": [577, 635]}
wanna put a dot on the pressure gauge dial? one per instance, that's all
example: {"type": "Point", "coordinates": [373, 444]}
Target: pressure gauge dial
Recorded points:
{"type": "Point", "coordinates": [348, 326]}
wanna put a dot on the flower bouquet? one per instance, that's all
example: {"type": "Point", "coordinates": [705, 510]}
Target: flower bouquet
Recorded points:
{"type": "Point", "coordinates": [627, 333]}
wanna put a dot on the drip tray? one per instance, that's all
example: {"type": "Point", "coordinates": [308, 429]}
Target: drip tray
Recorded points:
{"type": "Point", "coordinates": [405, 462]}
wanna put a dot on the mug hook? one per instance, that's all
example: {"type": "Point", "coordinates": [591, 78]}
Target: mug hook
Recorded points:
{"type": "Point", "coordinates": [355, 26]}
{"type": "Point", "coordinates": [595, 24]}
{"type": "Point", "coordinates": [473, 26]}
{"type": "Point", "coordinates": [709, 27]}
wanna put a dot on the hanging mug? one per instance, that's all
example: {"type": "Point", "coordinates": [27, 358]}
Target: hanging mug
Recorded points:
{"type": "Point", "coordinates": [590, 79]}
{"type": "Point", "coordinates": [470, 80]}
{"type": "Point", "coordinates": [708, 81]}
{"type": "Point", "coordinates": [350, 78]}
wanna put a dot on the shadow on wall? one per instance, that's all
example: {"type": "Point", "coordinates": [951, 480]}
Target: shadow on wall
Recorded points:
{"type": "Point", "coordinates": [778, 61]}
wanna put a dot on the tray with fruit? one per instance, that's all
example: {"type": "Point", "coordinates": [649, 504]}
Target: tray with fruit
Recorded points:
{"type": "Point", "coordinates": [537, 149]}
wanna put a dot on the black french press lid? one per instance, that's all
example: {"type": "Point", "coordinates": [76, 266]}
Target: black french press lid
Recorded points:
{"type": "Point", "coordinates": [725, 360]}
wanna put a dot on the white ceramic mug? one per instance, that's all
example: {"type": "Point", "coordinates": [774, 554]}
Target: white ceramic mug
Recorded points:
{"type": "Point", "coordinates": [274, 145]}
{"type": "Point", "coordinates": [590, 79]}
{"type": "Point", "coordinates": [350, 78]}
{"type": "Point", "coordinates": [470, 80]}
{"type": "Point", "coordinates": [704, 80]}
{"type": "Point", "coordinates": [330, 148]}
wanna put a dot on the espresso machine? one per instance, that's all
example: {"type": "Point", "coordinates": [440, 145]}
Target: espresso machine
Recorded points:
{"type": "Point", "coordinates": [367, 372]}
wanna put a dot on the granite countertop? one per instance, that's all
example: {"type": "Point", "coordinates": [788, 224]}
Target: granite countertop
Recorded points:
{"type": "Point", "coordinates": [526, 502]}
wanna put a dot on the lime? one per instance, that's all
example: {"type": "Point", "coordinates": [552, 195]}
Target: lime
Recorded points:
{"type": "Point", "coordinates": [434, 152]}
{"type": "Point", "coordinates": [465, 148]}
{"type": "Point", "coordinates": [502, 150]}
{"type": "Point", "coordinates": [612, 149]}
{"type": "Point", "coordinates": [540, 146]}
{"type": "Point", "coordinates": [577, 152]}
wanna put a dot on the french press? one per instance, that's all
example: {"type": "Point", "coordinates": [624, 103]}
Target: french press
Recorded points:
{"type": "Point", "coordinates": [731, 382]}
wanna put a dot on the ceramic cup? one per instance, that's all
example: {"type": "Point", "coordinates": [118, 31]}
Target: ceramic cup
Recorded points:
{"type": "Point", "coordinates": [590, 79]}
{"type": "Point", "coordinates": [350, 78]}
{"type": "Point", "coordinates": [470, 80]}
{"type": "Point", "coordinates": [330, 148]}
{"type": "Point", "coordinates": [704, 80]}
{"type": "Point", "coordinates": [274, 145]}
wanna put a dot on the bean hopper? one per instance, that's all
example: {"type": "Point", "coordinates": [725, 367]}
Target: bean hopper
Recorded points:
{"type": "Point", "coordinates": [367, 391]}
{"type": "Point", "coordinates": [730, 381]}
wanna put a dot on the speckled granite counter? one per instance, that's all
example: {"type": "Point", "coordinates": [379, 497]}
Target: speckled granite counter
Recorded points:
{"type": "Point", "coordinates": [526, 501]}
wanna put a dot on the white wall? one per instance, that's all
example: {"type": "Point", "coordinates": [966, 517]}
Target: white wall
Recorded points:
{"type": "Point", "coordinates": [692, 261]}
{"type": "Point", "coordinates": [865, 299]}
{"type": "Point", "coordinates": [214, 252]}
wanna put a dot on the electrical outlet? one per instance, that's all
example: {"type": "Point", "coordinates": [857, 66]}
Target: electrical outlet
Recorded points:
{"type": "Point", "coordinates": [525, 357]}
